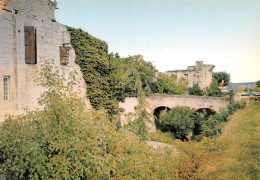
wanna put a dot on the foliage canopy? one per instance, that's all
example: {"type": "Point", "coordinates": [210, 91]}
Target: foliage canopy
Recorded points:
{"type": "Point", "coordinates": [180, 121]}
{"type": "Point", "coordinates": [219, 76]}
{"type": "Point", "coordinates": [196, 90]}
{"type": "Point", "coordinates": [213, 90]}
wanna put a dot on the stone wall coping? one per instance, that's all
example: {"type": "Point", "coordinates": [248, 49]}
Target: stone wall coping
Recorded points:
{"type": "Point", "coordinates": [186, 96]}
{"type": "Point", "coordinates": [181, 70]}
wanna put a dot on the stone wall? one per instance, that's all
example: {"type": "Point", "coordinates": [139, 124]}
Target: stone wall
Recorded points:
{"type": "Point", "coordinates": [170, 101]}
{"type": "Point", "coordinates": [50, 36]}
{"type": "Point", "coordinates": [200, 74]}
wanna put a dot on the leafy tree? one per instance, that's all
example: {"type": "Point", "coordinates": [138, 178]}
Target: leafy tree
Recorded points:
{"type": "Point", "coordinates": [214, 90]}
{"type": "Point", "coordinates": [196, 90]}
{"type": "Point", "coordinates": [219, 76]}
{"type": "Point", "coordinates": [119, 66]}
{"type": "Point", "coordinates": [183, 83]}
{"type": "Point", "coordinates": [258, 84]}
{"type": "Point", "coordinates": [180, 121]}
{"type": "Point", "coordinates": [142, 117]}
{"type": "Point", "coordinates": [168, 84]}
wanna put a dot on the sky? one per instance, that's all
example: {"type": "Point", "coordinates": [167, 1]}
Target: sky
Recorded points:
{"type": "Point", "coordinates": [174, 34]}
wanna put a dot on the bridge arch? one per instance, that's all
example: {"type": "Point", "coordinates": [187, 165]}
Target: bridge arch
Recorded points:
{"type": "Point", "coordinates": [205, 112]}
{"type": "Point", "coordinates": [157, 103]}
{"type": "Point", "coordinates": [159, 111]}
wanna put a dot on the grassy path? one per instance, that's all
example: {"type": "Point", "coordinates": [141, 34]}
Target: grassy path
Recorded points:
{"type": "Point", "coordinates": [238, 156]}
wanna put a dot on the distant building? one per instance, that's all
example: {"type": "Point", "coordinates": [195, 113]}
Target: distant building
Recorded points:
{"type": "Point", "coordinates": [200, 74]}
{"type": "Point", "coordinates": [29, 35]}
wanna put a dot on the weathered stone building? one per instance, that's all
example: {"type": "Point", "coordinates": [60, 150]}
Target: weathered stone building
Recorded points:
{"type": "Point", "coordinates": [200, 74]}
{"type": "Point", "coordinates": [29, 35]}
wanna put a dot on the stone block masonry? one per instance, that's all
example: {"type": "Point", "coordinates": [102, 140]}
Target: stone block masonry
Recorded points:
{"type": "Point", "coordinates": [22, 53]}
{"type": "Point", "coordinates": [200, 74]}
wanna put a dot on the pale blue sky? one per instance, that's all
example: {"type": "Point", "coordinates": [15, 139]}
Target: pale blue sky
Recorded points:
{"type": "Point", "coordinates": [173, 34]}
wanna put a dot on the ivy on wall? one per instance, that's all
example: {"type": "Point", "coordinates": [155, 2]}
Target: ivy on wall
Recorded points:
{"type": "Point", "coordinates": [92, 57]}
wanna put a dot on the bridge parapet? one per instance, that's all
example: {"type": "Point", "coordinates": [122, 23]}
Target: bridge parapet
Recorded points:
{"type": "Point", "coordinates": [186, 96]}
{"type": "Point", "coordinates": [170, 101]}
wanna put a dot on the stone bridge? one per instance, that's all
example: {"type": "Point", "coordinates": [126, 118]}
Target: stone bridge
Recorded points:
{"type": "Point", "coordinates": [159, 102]}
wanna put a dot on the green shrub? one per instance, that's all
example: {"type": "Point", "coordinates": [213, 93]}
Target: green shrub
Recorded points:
{"type": "Point", "coordinates": [213, 90]}
{"type": "Point", "coordinates": [180, 121]}
{"type": "Point", "coordinates": [196, 90]}
{"type": "Point", "coordinates": [63, 141]}
{"type": "Point", "coordinates": [60, 142]}
{"type": "Point", "coordinates": [213, 125]}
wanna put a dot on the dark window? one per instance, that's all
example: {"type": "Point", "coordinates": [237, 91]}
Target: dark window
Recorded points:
{"type": "Point", "coordinates": [30, 45]}
{"type": "Point", "coordinates": [63, 55]}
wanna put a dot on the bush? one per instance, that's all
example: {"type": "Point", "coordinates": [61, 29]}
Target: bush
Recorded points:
{"type": "Point", "coordinates": [63, 141]}
{"type": "Point", "coordinates": [213, 125]}
{"type": "Point", "coordinates": [195, 90]}
{"type": "Point", "coordinates": [213, 90]}
{"type": "Point", "coordinates": [180, 121]}
{"type": "Point", "coordinates": [60, 142]}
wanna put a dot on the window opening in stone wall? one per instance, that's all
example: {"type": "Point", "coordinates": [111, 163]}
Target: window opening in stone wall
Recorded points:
{"type": "Point", "coordinates": [68, 56]}
{"type": "Point", "coordinates": [6, 88]}
{"type": "Point", "coordinates": [63, 56]}
{"type": "Point", "coordinates": [30, 45]}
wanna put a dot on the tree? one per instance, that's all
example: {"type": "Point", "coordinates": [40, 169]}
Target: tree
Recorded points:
{"type": "Point", "coordinates": [180, 121]}
{"type": "Point", "coordinates": [258, 84]}
{"type": "Point", "coordinates": [142, 117]}
{"type": "Point", "coordinates": [195, 90]}
{"type": "Point", "coordinates": [168, 84]}
{"type": "Point", "coordinates": [219, 76]}
{"type": "Point", "coordinates": [119, 66]}
{"type": "Point", "coordinates": [213, 90]}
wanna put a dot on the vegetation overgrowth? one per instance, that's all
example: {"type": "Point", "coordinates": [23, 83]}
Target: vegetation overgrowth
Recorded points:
{"type": "Point", "coordinates": [220, 77]}
{"type": "Point", "coordinates": [185, 122]}
{"type": "Point", "coordinates": [196, 90]}
{"type": "Point", "coordinates": [237, 154]}
{"type": "Point", "coordinates": [63, 141]}
{"type": "Point", "coordinates": [92, 57]}
{"type": "Point", "coordinates": [109, 82]}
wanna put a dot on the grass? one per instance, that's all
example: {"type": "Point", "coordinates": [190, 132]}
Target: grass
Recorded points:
{"type": "Point", "coordinates": [238, 156]}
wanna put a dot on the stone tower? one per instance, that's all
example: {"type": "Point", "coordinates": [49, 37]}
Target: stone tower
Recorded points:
{"type": "Point", "coordinates": [200, 74]}
{"type": "Point", "coordinates": [29, 35]}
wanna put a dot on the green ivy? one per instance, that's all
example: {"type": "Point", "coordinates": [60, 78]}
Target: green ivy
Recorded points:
{"type": "Point", "coordinates": [92, 57]}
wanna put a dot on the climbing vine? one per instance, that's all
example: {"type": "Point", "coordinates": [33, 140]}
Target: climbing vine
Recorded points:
{"type": "Point", "coordinates": [92, 57]}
